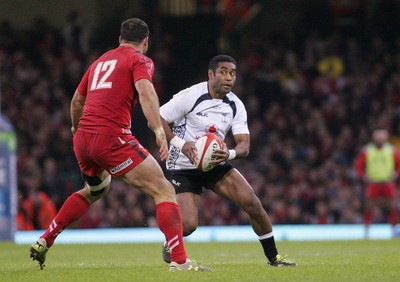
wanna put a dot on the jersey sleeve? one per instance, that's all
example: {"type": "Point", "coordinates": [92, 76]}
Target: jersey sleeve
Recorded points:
{"type": "Point", "coordinates": [177, 107]}
{"type": "Point", "coordinates": [239, 123]}
{"type": "Point", "coordinates": [361, 162]}
{"type": "Point", "coordinates": [396, 157]}
{"type": "Point", "coordinates": [143, 68]}
{"type": "Point", "coordinates": [82, 87]}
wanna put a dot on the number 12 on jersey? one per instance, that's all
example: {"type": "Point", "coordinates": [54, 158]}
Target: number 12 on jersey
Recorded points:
{"type": "Point", "coordinates": [100, 80]}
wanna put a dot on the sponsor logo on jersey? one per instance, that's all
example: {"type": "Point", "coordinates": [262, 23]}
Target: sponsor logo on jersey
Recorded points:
{"type": "Point", "coordinates": [202, 114]}
{"type": "Point", "coordinates": [176, 183]}
{"type": "Point", "coordinates": [121, 166]}
{"type": "Point", "coordinates": [212, 128]}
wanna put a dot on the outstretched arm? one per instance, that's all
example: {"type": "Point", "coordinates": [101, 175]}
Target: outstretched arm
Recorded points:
{"type": "Point", "coordinates": [151, 109]}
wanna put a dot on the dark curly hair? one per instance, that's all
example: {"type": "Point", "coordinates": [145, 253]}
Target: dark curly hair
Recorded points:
{"type": "Point", "coordinates": [220, 58]}
{"type": "Point", "coordinates": [134, 30]}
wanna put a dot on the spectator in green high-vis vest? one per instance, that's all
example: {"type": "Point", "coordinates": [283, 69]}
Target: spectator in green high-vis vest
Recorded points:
{"type": "Point", "coordinates": [378, 164]}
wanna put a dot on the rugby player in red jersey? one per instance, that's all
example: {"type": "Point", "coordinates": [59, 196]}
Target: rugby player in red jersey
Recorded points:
{"type": "Point", "coordinates": [105, 148]}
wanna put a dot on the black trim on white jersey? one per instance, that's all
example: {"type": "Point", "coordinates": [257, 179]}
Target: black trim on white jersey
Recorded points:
{"type": "Point", "coordinates": [230, 103]}
{"type": "Point", "coordinates": [202, 98]}
{"type": "Point", "coordinates": [207, 96]}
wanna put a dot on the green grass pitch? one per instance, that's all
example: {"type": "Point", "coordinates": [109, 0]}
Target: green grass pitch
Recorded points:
{"type": "Point", "coordinates": [369, 260]}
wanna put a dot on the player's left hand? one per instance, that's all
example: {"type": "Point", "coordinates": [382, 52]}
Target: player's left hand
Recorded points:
{"type": "Point", "coordinates": [221, 155]}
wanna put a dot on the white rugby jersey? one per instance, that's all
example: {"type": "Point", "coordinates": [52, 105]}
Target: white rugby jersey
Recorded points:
{"type": "Point", "coordinates": [193, 112]}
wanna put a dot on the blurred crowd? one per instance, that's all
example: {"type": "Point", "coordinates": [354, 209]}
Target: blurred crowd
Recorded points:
{"type": "Point", "coordinates": [312, 100]}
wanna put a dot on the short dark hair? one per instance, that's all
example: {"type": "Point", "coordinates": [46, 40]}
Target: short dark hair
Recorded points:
{"type": "Point", "coordinates": [134, 30]}
{"type": "Point", "coordinates": [220, 58]}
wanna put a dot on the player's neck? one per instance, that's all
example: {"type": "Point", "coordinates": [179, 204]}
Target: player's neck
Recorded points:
{"type": "Point", "coordinates": [136, 47]}
{"type": "Point", "coordinates": [214, 94]}
{"type": "Point", "coordinates": [217, 95]}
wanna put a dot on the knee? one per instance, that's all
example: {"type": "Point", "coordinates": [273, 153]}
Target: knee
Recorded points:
{"type": "Point", "coordinates": [252, 206]}
{"type": "Point", "coordinates": [93, 197]}
{"type": "Point", "coordinates": [158, 188]}
{"type": "Point", "coordinates": [189, 226]}
{"type": "Point", "coordinates": [165, 191]}
{"type": "Point", "coordinates": [101, 194]}
{"type": "Point", "coordinates": [187, 230]}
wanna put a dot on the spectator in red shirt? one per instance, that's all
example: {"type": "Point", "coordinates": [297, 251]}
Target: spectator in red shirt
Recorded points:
{"type": "Point", "coordinates": [378, 164]}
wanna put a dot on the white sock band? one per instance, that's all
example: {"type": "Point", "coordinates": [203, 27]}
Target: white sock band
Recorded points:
{"type": "Point", "coordinates": [266, 236]}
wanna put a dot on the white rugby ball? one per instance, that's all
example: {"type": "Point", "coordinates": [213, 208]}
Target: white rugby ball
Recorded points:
{"type": "Point", "coordinates": [206, 145]}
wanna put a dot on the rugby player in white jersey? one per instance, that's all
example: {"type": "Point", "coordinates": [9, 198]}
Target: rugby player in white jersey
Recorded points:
{"type": "Point", "coordinates": [211, 107]}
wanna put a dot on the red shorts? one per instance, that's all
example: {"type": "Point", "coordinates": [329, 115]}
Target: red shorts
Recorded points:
{"type": "Point", "coordinates": [116, 154]}
{"type": "Point", "coordinates": [384, 190]}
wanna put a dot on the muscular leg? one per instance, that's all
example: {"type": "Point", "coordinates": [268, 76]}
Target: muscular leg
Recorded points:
{"type": "Point", "coordinates": [235, 187]}
{"type": "Point", "coordinates": [149, 178]}
{"type": "Point", "coordinates": [189, 204]}
{"type": "Point", "coordinates": [73, 208]}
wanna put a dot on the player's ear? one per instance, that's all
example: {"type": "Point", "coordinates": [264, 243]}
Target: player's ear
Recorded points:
{"type": "Point", "coordinates": [145, 44]}
{"type": "Point", "coordinates": [146, 41]}
{"type": "Point", "coordinates": [119, 39]}
{"type": "Point", "coordinates": [210, 73]}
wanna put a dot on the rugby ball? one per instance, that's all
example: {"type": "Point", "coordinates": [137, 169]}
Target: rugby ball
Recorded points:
{"type": "Point", "coordinates": [206, 145]}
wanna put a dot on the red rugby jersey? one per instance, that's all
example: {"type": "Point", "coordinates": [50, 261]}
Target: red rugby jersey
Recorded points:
{"type": "Point", "coordinates": [110, 93]}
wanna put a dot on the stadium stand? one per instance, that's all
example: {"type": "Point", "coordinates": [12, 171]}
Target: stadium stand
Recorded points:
{"type": "Point", "coordinates": [312, 100]}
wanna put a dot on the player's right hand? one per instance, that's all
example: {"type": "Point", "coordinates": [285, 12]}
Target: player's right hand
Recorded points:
{"type": "Point", "coordinates": [162, 143]}
{"type": "Point", "coordinates": [190, 151]}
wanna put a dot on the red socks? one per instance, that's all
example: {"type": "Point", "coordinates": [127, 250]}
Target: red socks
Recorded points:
{"type": "Point", "coordinates": [393, 217]}
{"type": "Point", "coordinates": [73, 208]}
{"type": "Point", "coordinates": [170, 223]}
{"type": "Point", "coordinates": [168, 218]}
